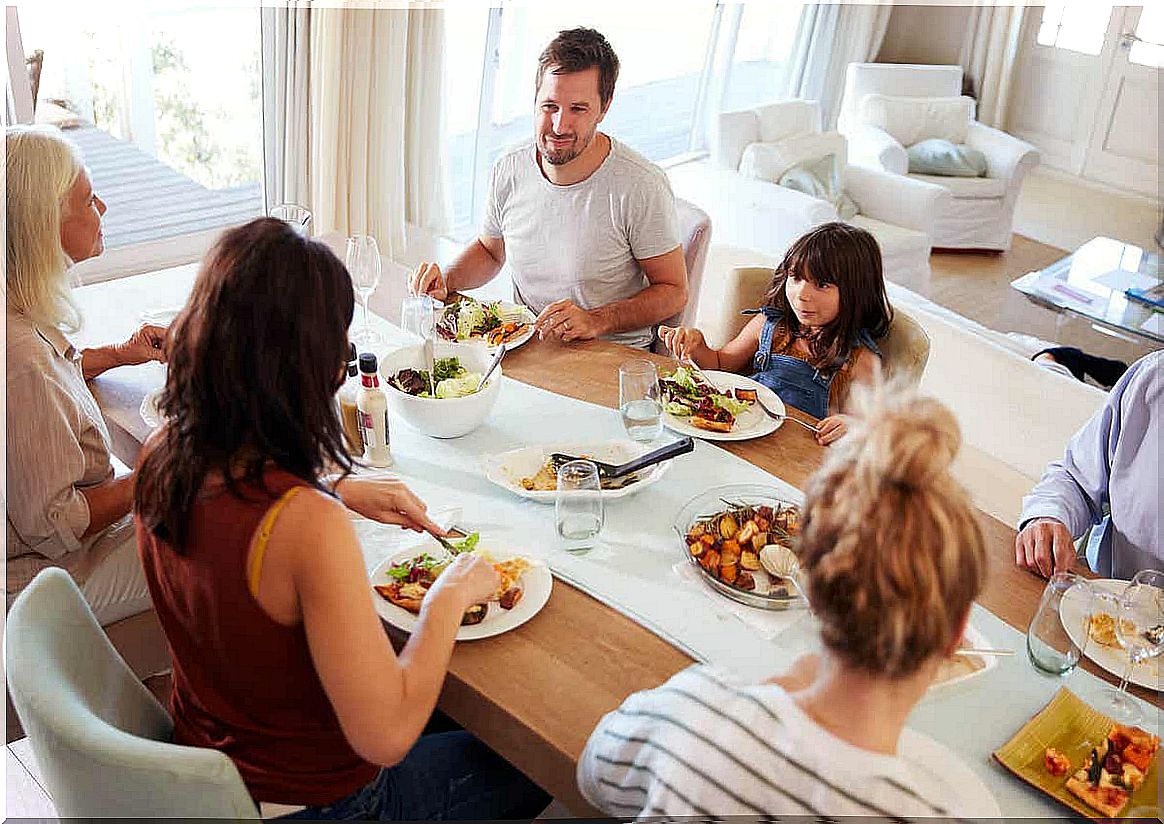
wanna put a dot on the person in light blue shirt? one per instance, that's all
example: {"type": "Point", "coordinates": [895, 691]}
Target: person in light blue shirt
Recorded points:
{"type": "Point", "coordinates": [1110, 477]}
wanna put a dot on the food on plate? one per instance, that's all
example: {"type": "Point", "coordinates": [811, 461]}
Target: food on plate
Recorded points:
{"type": "Point", "coordinates": [1114, 770]}
{"type": "Point", "coordinates": [449, 379]}
{"type": "Point", "coordinates": [495, 322]}
{"type": "Point", "coordinates": [413, 578]}
{"type": "Point", "coordinates": [546, 479]}
{"type": "Point", "coordinates": [727, 544]}
{"type": "Point", "coordinates": [1055, 762]}
{"type": "Point", "coordinates": [687, 395]}
{"type": "Point", "coordinates": [1102, 628]}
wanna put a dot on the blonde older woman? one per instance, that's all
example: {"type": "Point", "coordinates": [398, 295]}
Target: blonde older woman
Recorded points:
{"type": "Point", "coordinates": [65, 507]}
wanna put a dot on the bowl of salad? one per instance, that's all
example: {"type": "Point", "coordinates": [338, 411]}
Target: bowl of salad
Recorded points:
{"type": "Point", "coordinates": [446, 402]}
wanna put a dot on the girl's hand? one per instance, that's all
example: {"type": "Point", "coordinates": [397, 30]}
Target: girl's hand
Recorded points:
{"type": "Point", "coordinates": [387, 500]}
{"type": "Point", "coordinates": [684, 342]}
{"type": "Point", "coordinates": [831, 429]}
{"type": "Point", "coordinates": [469, 579]}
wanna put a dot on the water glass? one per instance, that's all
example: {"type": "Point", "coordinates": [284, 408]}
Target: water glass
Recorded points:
{"type": "Point", "coordinates": [1049, 646]}
{"type": "Point", "coordinates": [298, 217]}
{"type": "Point", "coordinates": [638, 400]}
{"type": "Point", "coordinates": [417, 316]}
{"type": "Point", "coordinates": [578, 505]}
{"type": "Point", "coordinates": [364, 266]}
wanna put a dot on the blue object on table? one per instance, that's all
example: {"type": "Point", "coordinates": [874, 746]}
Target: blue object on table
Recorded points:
{"type": "Point", "coordinates": [1152, 297]}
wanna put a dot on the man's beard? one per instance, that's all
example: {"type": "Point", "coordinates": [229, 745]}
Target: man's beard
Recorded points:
{"type": "Point", "coordinates": [561, 157]}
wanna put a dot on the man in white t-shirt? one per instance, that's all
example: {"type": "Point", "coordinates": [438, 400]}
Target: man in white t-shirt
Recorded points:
{"type": "Point", "coordinates": [587, 225]}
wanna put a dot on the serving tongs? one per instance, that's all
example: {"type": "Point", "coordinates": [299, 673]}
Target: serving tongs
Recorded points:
{"type": "Point", "coordinates": [610, 471]}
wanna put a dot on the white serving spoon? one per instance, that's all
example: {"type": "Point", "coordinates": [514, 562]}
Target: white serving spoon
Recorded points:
{"type": "Point", "coordinates": [782, 562]}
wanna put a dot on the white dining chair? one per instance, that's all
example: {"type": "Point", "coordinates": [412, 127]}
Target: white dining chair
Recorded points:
{"type": "Point", "coordinates": [101, 739]}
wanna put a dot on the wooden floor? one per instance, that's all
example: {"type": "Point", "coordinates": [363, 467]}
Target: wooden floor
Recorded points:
{"type": "Point", "coordinates": [149, 200]}
{"type": "Point", "coordinates": [977, 286]}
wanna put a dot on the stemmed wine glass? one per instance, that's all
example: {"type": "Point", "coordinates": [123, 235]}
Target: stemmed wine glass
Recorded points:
{"type": "Point", "coordinates": [1139, 627]}
{"type": "Point", "coordinates": [363, 261]}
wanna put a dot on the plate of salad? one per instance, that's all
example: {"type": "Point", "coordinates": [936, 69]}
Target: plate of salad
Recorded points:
{"type": "Point", "coordinates": [723, 410]}
{"type": "Point", "coordinates": [493, 322]}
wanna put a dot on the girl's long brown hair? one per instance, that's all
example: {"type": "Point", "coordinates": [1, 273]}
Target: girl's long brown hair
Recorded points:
{"type": "Point", "coordinates": [849, 257]}
{"type": "Point", "coordinates": [254, 360]}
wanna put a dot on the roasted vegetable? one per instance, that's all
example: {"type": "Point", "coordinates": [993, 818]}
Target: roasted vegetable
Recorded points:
{"type": "Point", "coordinates": [728, 572]}
{"type": "Point", "coordinates": [474, 615]}
{"type": "Point", "coordinates": [745, 581]}
{"type": "Point", "coordinates": [750, 560]}
{"type": "Point", "coordinates": [510, 597]}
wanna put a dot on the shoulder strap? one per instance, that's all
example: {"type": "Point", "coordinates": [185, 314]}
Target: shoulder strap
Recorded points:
{"type": "Point", "coordinates": [255, 564]}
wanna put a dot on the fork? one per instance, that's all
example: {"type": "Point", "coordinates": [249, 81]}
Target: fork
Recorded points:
{"type": "Point", "coordinates": [814, 430]}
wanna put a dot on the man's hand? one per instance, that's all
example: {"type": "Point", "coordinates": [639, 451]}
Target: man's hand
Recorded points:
{"type": "Point", "coordinates": [428, 280]}
{"type": "Point", "coordinates": [387, 500]}
{"type": "Point", "coordinates": [566, 320]}
{"type": "Point", "coordinates": [1045, 545]}
{"type": "Point", "coordinates": [148, 343]}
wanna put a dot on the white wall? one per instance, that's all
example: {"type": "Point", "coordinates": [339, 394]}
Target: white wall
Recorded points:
{"type": "Point", "coordinates": [925, 34]}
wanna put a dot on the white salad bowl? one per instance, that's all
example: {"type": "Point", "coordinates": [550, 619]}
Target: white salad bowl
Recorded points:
{"type": "Point", "coordinates": [440, 417]}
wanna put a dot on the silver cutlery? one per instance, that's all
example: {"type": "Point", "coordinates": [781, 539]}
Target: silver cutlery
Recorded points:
{"type": "Point", "coordinates": [777, 417]}
{"type": "Point", "coordinates": [501, 350]}
{"type": "Point", "coordinates": [983, 651]}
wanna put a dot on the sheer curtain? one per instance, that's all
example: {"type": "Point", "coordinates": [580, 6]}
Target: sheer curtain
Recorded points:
{"type": "Point", "coordinates": [830, 37]}
{"type": "Point", "coordinates": [988, 57]}
{"type": "Point", "coordinates": [353, 119]}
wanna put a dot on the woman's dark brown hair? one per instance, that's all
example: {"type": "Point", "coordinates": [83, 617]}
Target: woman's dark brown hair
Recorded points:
{"type": "Point", "coordinates": [254, 360]}
{"type": "Point", "coordinates": [849, 257]}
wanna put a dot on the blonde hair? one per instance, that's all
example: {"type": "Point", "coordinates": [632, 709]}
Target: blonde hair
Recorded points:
{"type": "Point", "coordinates": [41, 167]}
{"type": "Point", "coordinates": [891, 547]}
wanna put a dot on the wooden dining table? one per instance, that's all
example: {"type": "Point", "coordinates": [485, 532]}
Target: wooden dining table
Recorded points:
{"type": "Point", "coordinates": [535, 693]}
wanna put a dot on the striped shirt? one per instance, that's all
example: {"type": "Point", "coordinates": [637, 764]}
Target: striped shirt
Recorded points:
{"type": "Point", "coordinates": [705, 745]}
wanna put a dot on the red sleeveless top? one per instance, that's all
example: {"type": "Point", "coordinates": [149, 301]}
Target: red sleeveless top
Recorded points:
{"type": "Point", "coordinates": [244, 684]}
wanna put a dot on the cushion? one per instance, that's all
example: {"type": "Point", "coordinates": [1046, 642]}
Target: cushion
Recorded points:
{"type": "Point", "coordinates": [820, 178]}
{"type": "Point", "coordinates": [968, 188]}
{"type": "Point", "coordinates": [770, 160]}
{"type": "Point", "coordinates": [945, 159]}
{"type": "Point", "coordinates": [911, 120]}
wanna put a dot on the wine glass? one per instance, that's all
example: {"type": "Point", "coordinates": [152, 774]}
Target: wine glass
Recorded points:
{"type": "Point", "coordinates": [298, 217]}
{"type": "Point", "coordinates": [638, 400]}
{"type": "Point", "coordinates": [363, 261]}
{"type": "Point", "coordinates": [1139, 627]}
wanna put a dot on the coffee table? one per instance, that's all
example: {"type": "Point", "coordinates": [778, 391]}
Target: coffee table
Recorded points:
{"type": "Point", "coordinates": [1091, 283]}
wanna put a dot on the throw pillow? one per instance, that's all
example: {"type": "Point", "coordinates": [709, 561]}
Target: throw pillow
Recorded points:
{"type": "Point", "coordinates": [941, 157]}
{"type": "Point", "coordinates": [821, 178]}
{"type": "Point", "coordinates": [910, 120]}
{"type": "Point", "coordinates": [768, 161]}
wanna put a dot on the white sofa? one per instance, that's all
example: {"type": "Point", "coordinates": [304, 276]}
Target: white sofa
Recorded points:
{"type": "Point", "coordinates": [1015, 416]}
{"type": "Point", "coordinates": [980, 211]}
{"type": "Point", "coordinates": [757, 213]}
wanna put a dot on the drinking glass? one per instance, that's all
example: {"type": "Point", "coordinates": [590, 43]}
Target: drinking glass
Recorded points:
{"type": "Point", "coordinates": [638, 400]}
{"type": "Point", "coordinates": [416, 316]}
{"type": "Point", "coordinates": [1139, 619]}
{"type": "Point", "coordinates": [1049, 646]}
{"type": "Point", "coordinates": [299, 217]}
{"type": "Point", "coordinates": [363, 261]}
{"type": "Point", "coordinates": [578, 505]}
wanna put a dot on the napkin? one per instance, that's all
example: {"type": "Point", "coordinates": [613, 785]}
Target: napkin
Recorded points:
{"type": "Point", "coordinates": [768, 623]}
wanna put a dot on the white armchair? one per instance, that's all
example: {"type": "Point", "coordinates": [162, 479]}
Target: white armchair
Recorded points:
{"type": "Point", "coordinates": [897, 210]}
{"type": "Point", "coordinates": [980, 210]}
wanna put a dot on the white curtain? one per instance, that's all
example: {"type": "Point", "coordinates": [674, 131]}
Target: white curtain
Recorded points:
{"type": "Point", "coordinates": [830, 37]}
{"type": "Point", "coordinates": [359, 91]}
{"type": "Point", "coordinates": [989, 51]}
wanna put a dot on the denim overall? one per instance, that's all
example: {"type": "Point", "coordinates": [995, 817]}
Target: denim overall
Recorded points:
{"type": "Point", "coordinates": [797, 382]}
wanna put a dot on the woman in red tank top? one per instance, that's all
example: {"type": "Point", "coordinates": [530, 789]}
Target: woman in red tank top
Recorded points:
{"type": "Point", "coordinates": [279, 658]}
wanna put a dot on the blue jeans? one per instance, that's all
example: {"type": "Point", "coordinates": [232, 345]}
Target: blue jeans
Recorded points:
{"type": "Point", "coordinates": [447, 776]}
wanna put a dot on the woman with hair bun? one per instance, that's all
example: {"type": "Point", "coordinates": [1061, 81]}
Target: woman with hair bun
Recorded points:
{"type": "Point", "coordinates": [893, 558]}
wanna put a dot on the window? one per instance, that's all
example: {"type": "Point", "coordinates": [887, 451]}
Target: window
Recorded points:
{"type": "Point", "coordinates": [1148, 48]}
{"type": "Point", "coordinates": [767, 32]}
{"type": "Point", "coordinates": [165, 106]}
{"type": "Point", "coordinates": [1075, 26]}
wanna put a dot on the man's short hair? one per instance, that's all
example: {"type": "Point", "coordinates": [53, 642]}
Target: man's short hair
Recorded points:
{"type": "Point", "coordinates": [576, 50]}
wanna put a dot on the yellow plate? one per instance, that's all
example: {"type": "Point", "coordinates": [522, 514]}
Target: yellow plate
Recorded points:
{"type": "Point", "coordinates": [1073, 728]}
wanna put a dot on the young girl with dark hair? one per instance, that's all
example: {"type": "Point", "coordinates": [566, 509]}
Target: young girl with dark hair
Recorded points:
{"type": "Point", "coordinates": [279, 658]}
{"type": "Point", "coordinates": [816, 334]}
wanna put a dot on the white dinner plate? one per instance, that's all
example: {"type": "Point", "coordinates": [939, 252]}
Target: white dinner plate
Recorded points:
{"type": "Point", "coordinates": [934, 763]}
{"type": "Point", "coordinates": [537, 583]}
{"type": "Point", "coordinates": [508, 468]}
{"type": "Point", "coordinates": [974, 639]}
{"type": "Point", "coordinates": [1073, 613]}
{"type": "Point", "coordinates": [516, 342]}
{"type": "Point", "coordinates": [753, 423]}
{"type": "Point", "coordinates": [149, 409]}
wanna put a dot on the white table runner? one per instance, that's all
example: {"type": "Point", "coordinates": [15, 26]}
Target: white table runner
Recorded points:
{"type": "Point", "coordinates": [632, 570]}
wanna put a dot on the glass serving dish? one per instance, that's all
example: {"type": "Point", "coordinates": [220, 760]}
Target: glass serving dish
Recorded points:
{"type": "Point", "coordinates": [769, 592]}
